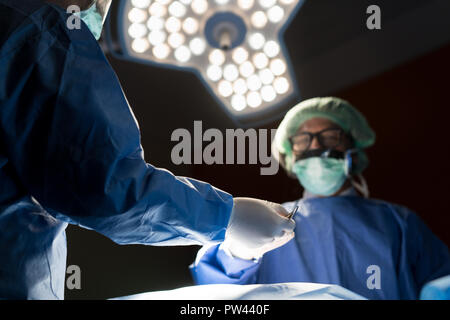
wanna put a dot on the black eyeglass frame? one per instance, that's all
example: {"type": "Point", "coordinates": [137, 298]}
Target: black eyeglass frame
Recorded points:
{"type": "Point", "coordinates": [342, 134]}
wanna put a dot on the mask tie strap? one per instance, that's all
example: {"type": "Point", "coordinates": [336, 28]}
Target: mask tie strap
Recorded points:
{"type": "Point", "coordinates": [349, 161]}
{"type": "Point", "coordinates": [361, 187]}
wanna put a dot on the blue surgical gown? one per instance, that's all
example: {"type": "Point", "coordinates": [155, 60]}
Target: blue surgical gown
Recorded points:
{"type": "Point", "coordinates": [70, 152]}
{"type": "Point", "coordinates": [371, 247]}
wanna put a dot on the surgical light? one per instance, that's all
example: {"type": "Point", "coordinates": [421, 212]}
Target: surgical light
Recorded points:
{"type": "Point", "coordinates": [225, 88]}
{"type": "Point", "coordinates": [245, 4]}
{"type": "Point", "coordinates": [238, 102]}
{"type": "Point", "coordinates": [281, 85]}
{"type": "Point", "coordinates": [141, 3]}
{"type": "Point", "coordinates": [214, 73]}
{"type": "Point", "coordinates": [182, 54]}
{"type": "Point", "coordinates": [175, 40]}
{"type": "Point", "coordinates": [161, 51]}
{"type": "Point", "coordinates": [240, 55]}
{"type": "Point", "coordinates": [217, 57]}
{"type": "Point", "coordinates": [259, 19]}
{"type": "Point", "coordinates": [275, 14]}
{"type": "Point", "coordinates": [197, 46]}
{"type": "Point", "coordinates": [190, 25]}
{"type": "Point", "coordinates": [254, 99]}
{"type": "Point", "coordinates": [256, 40]}
{"type": "Point", "coordinates": [173, 24]}
{"type": "Point", "coordinates": [155, 23]}
{"type": "Point", "coordinates": [246, 69]}
{"type": "Point", "coordinates": [240, 86]}
{"type": "Point", "coordinates": [260, 60]}
{"type": "Point", "coordinates": [234, 45]}
{"type": "Point", "coordinates": [267, 3]}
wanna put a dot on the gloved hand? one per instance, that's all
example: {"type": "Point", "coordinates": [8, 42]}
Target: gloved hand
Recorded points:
{"type": "Point", "coordinates": [256, 227]}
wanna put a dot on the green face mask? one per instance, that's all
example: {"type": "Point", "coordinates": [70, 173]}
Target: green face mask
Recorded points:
{"type": "Point", "coordinates": [95, 16]}
{"type": "Point", "coordinates": [321, 176]}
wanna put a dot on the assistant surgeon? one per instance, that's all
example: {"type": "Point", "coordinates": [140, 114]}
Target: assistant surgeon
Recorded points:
{"type": "Point", "coordinates": [70, 152]}
{"type": "Point", "coordinates": [374, 248]}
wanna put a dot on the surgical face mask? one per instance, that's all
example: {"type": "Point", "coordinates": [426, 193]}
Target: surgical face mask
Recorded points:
{"type": "Point", "coordinates": [323, 175]}
{"type": "Point", "coordinates": [95, 16]}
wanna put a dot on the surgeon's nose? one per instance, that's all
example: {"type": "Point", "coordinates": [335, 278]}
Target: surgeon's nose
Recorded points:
{"type": "Point", "coordinates": [315, 144]}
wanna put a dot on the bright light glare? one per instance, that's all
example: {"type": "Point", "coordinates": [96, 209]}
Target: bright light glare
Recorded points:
{"type": "Point", "coordinates": [140, 45]}
{"type": "Point", "coordinates": [240, 86]}
{"type": "Point", "coordinates": [156, 37]}
{"type": "Point", "coordinates": [281, 85]}
{"type": "Point", "coordinates": [230, 72]}
{"type": "Point", "coordinates": [253, 82]}
{"type": "Point", "coordinates": [267, 3]}
{"type": "Point", "coordinates": [266, 76]}
{"type": "Point", "coordinates": [182, 54]}
{"type": "Point", "coordinates": [271, 48]}
{"type": "Point", "coordinates": [259, 19]}
{"type": "Point", "coordinates": [157, 10]}
{"type": "Point", "coordinates": [176, 39]}
{"type": "Point", "coordinates": [246, 69]}
{"type": "Point", "coordinates": [137, 30]}
{"type": "Point", "coordinates": [225, 88]}
{"type": "Point", "coordinates": [155, 23]}
{"type": "Point", "coordinates": [245, 4]}
{"type": "Point", "coordinates": [278, 67]}
{"type": "Point", "coordinates": [260, 60]}
{"type": "Point", "coordinates": [140, 3]}
{"type": "Point", "coordinates": [173, 24]}
{"type": "Point", "coordinates": [254, 99]}
{"type": "Point", "coordinates": [275, 14]}
{"type": "Point", "coordinates": [214, 73]}
{"type": "Point", "coordinates": [238, 102]}
{"type": "Point", "coordinates": [250, 75]}
{"type": "Point", "coordinates": [199, 6]}
{"type": "Point", "coordinates": [256, 41]}
{"type": "Point", "coordinates": [190, 25]}
{"type": "Point", "coordinates": [177, 9]}
{"type": "Point", "coordinates": [240, 55]}
{"type": "Point", "coordinates": [197, 46]}
{"type": "Point", "coordinates": [268, 93]}
{"type": "Point", "coordinates": [161, 51]}
{"type": "Point", "coordinates": [137, 15]}
{"type": "Point", "coordinates": [216, 57]}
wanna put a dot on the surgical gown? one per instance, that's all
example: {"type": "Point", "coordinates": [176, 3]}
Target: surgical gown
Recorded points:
{"type": "Point", "coordinates": [371, 247]}
{"type": "Point", "coordinates": [70, 152]}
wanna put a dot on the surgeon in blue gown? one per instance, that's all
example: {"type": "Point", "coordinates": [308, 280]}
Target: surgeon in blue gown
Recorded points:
{"type": "Point", "coordinates": [70, 152]}
{"type": "Point", "coordinates": [374, 248]}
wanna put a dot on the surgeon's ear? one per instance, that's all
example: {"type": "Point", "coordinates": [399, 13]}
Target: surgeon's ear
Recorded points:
{"type": "Point", "coordinates": [282, 158]}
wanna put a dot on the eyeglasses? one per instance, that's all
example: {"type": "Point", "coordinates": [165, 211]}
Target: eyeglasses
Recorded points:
{"type": "Point", "coordinates": [328, 138]}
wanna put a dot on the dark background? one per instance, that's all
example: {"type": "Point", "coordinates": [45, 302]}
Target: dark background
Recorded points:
{"type": "Point", "coordinates": [398, 77]}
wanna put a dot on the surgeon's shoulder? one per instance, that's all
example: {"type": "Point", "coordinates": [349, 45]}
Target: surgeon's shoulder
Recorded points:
{"type": "Point", "coordinates": [399, 211]}
{"type": "Point", "coordinates": [33, 21]}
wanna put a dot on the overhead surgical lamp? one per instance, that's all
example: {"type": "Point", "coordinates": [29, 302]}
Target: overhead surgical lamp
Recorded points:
{"type": "Point", "coordinates": [235, 46]}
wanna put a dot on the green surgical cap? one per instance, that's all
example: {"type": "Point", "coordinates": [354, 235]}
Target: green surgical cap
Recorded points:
{"type": "Point", "coordinates": [337, 110]}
